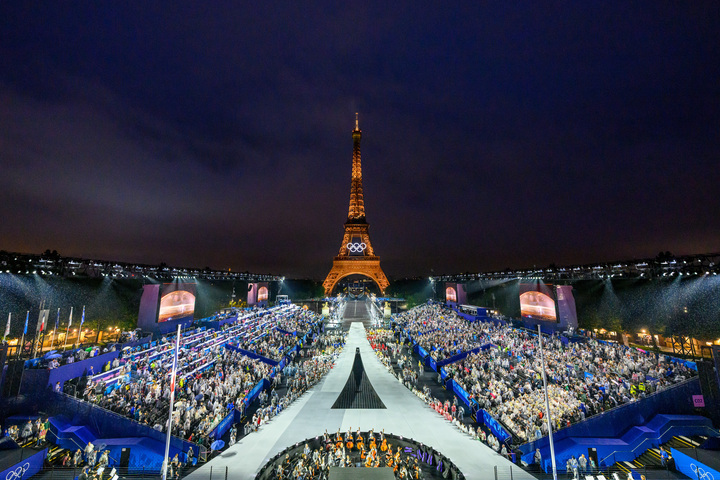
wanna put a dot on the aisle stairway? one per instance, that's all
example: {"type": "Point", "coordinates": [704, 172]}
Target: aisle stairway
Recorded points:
{"type": "Point", "coordinates": [650, 458]}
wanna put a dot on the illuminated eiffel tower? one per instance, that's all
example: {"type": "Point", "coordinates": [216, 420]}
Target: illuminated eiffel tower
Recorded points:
{"type": "Point", "coordinates": [356, 256]}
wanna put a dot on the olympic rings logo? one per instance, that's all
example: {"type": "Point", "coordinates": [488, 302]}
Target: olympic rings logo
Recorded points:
{"type": "Point", "coordinates": [18, 472]}
{"type": "Point", "coordinates": [356, 247]}
{"type": "Point", "coordinates": [701, 473]}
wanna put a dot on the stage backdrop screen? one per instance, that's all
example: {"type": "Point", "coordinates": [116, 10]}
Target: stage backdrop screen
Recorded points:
{"type": "Point", "coordinates": [258, 294]}
{"type": "Point", "coordinates": [567, 314]}
{"type": "Point", "coordinates": [450, 293]}
{"type": "Point", "coordinates": [263, 292]}
{"type": "Point", "coordinates": [177, 301]}
{"type": "Point", "coordinates": [461, 294]}
{"type": "Point", "coordinates": [537, 302]}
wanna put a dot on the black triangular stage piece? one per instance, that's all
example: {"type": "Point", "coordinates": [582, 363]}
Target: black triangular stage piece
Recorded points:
{"type": "Point", "coordinates": [358, 392]}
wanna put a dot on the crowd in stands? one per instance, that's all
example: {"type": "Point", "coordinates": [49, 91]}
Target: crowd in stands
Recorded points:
{"type": "Point", "coordinates": [299, 376]}
{"type": "Point", "coordinates": [273, 344]}
{"type": "Point", "coordinates": [441, 332]}
{"type": "Point", "coordinates": [389, 351]}
{"type": "Point", "coordinates": [300, 322]}
{"type": "Point", "coordinates": [278, 332]}
{"type": "Point", "coordinates": [215, 374]}
{"type": "Point", "coordinates": [202, 399]}
{"type": "Point", "coordinates": [584, 378]}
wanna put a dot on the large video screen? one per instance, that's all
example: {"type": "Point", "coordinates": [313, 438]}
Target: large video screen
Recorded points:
{"type": "Point", "coordinates": [258, 293]}
{"type": "Point", "coordinates": [177, 301]}
{"type": "Point", "coordinates": [450, 293]}
{"type": "Point", "coordinates": [537, 302]}
{"type": "Point", "coordinates": [262, 292]}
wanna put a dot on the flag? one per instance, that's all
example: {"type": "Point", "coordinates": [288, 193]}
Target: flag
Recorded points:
{"type": "Point", "coordinates": [7, 326]}
{"type": "Point", "coordinates": [175, 361]}
{"type": "Point", "coordinates": [82, 320]}
{"type": "Point", "coordinates": [27, 318]}
{"type": "Point", "coordinates": [70, 320]}
{"type": "Point", "coordinates": [42, 319]}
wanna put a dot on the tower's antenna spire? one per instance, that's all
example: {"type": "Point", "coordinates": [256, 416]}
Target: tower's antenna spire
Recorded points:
{"type": "Point", "coordinates": [356, 122]}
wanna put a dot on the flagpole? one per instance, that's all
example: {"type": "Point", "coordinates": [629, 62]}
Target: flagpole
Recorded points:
{"type": "Point", "coordinates": [547, 406]}
{"type": "Point", "coordinates": [82, 320]}
{"type": "Point", "coordinates": [22, 341]}
{"type": "Point", "coordinates": [7, 326]}
{"type": "Point", "coordinates": [68, 328]}
{"type": "Point", "coordinates": [7, 329]}
{"type": "Point", "coordinates": [55, 332]}
{"type": "Point", "coordinates": [39, 331]}
{"type": "Point", "coordinates": [172, 401]}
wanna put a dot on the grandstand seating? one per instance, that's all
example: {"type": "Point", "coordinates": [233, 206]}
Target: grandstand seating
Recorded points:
{"type": "Point", "coordinates": [71, 424]}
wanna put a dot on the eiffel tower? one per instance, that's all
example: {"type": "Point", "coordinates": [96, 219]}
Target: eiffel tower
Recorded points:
{"type": "Point", "coordinates": [356, 256]}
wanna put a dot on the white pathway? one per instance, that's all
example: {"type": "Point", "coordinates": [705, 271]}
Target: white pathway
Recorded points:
{"type": "Point", "coordinates": [312, 414]}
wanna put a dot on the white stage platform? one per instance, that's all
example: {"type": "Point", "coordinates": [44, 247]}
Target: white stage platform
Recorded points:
{"type": "Point", "coordinates": [405, 415]}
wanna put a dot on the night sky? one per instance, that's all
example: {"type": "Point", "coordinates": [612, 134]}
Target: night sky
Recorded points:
{"type": "Point", "coordinates": [218, 133]}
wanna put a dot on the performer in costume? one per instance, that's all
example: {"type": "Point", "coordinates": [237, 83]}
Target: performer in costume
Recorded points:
{"type": "Point", "coordinates": [383, 446]}
{"type": "Point", "coordinates": [338, 440]}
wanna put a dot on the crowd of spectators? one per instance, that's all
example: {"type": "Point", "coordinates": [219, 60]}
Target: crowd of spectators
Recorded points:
{"type": "Point", "coordinates": [215, 375]}
{"type": "Point", "coordinates": [441, 331]}
{"type": "Point", "coordinates": [389, 351]}
{"type": "Point", "coordinates": [279, 332]}
{"type": "Point", "coordinates": [202, 398]}
{"type": "Point", "coordinates": [300, 322]}
{"type": "Point", "coordinates": [584, 378]}
{"type": "Point", "coordinates": [299, 377]}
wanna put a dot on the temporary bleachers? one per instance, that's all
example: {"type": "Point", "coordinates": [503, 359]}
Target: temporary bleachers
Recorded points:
{"type": "Point", "coordinates": [75, 422]}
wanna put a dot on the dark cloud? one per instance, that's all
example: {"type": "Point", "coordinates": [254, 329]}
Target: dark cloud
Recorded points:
{"type": "Point", "coordinates": [219, 135]}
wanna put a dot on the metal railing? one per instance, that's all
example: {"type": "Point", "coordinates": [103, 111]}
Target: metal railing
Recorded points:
{"type": "Point", "coordinates": [609, 473]}
{"type": "Point", "coordinates": [657, 440]}
{"type": "Point", "coordinates": [113, 460]}
{"type": "Point", "coordinates": [512, 472]}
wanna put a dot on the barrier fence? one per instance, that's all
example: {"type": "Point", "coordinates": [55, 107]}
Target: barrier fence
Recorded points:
{"type": "Point", "coordinates": [497, 472]}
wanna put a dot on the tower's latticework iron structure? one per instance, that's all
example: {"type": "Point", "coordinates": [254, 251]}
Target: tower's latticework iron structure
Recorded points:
{"type": "Point", "coordinates": [356, 256]}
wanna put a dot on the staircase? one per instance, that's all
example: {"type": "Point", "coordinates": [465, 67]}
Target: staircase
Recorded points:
{"type": "Point", "coordinates": [650, 458]}
{"type": "Point", "coordinates": [55, 455]}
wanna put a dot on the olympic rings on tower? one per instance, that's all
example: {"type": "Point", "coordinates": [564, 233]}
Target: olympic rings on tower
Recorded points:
{"type": "Point", "coordinates": [356, 247]}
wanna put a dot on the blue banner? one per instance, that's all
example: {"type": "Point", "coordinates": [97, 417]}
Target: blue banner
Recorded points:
{"type": "Point", "coordinates": [493, 425]}
{"type": "Point", "coordinates": [281, 365]}
{"type": "Point", "coordinates": [462, 355]}
{"type": "Point", "coordinates": [254, 355]}
{"type": "Point", "coordinates": [460, 392]}
{"type": "Point", "coordinates": [250, 397]}
{"type": "Point", "coordinates": [25, 468]}
{"type": "Point", "coordinates": [693, 468]}
{"type": "Point", "coordinates": [223, 426]}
